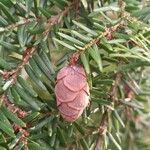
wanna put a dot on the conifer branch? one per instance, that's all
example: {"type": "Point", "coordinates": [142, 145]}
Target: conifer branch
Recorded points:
{"type": "Point", "coordinates": [107, 33]}
{"type": "Point", "coordinates": [25, 21]}
{"type": "Point", "coordinates": [53, 20]}
{"type": "Point", "coordinates": [102, 129]}
{"type": "Point", "coordinates": [113, 47]}
{"type": "Point", "coordinates": [14, 73]}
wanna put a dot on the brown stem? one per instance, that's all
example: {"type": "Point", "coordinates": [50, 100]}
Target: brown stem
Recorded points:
{"type": "Point", "coordinates": [18, 24]}
{"type": "Point", "coordinates": [12, 108]}
{"type": "Point", "coordinates": [99, 143]}
{"type": "Point", "coordinates": [14, 73]}
{"type": "Point", "coordinates": [20, 113]}
{"type": "Point", "coordinates": [57, 18]}
{"type": "Point", "coordinates": [25, 134]}
{"type": "Point", "coordinates": [121, 5]}
{"type": "Point", "coordinates": [113, 91]}
{"type": "Point", "coordinates": [107, 33]}
{"type": "Point", "coordinates": [104, 121]}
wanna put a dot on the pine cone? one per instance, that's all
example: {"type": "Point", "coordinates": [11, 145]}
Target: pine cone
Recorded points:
{"type": "Point", "coordinates": [72, 92]}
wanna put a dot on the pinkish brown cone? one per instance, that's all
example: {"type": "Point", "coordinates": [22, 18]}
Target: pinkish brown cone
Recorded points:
{"type": "Point", "coordinates": [72, 92]}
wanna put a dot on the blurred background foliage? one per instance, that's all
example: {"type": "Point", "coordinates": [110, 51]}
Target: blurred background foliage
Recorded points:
{"type": "Point", "coordinates": [112, 37]}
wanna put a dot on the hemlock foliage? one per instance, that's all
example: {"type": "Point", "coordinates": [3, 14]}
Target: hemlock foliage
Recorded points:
{"type": "Point", "coordinates": [37, 37]}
